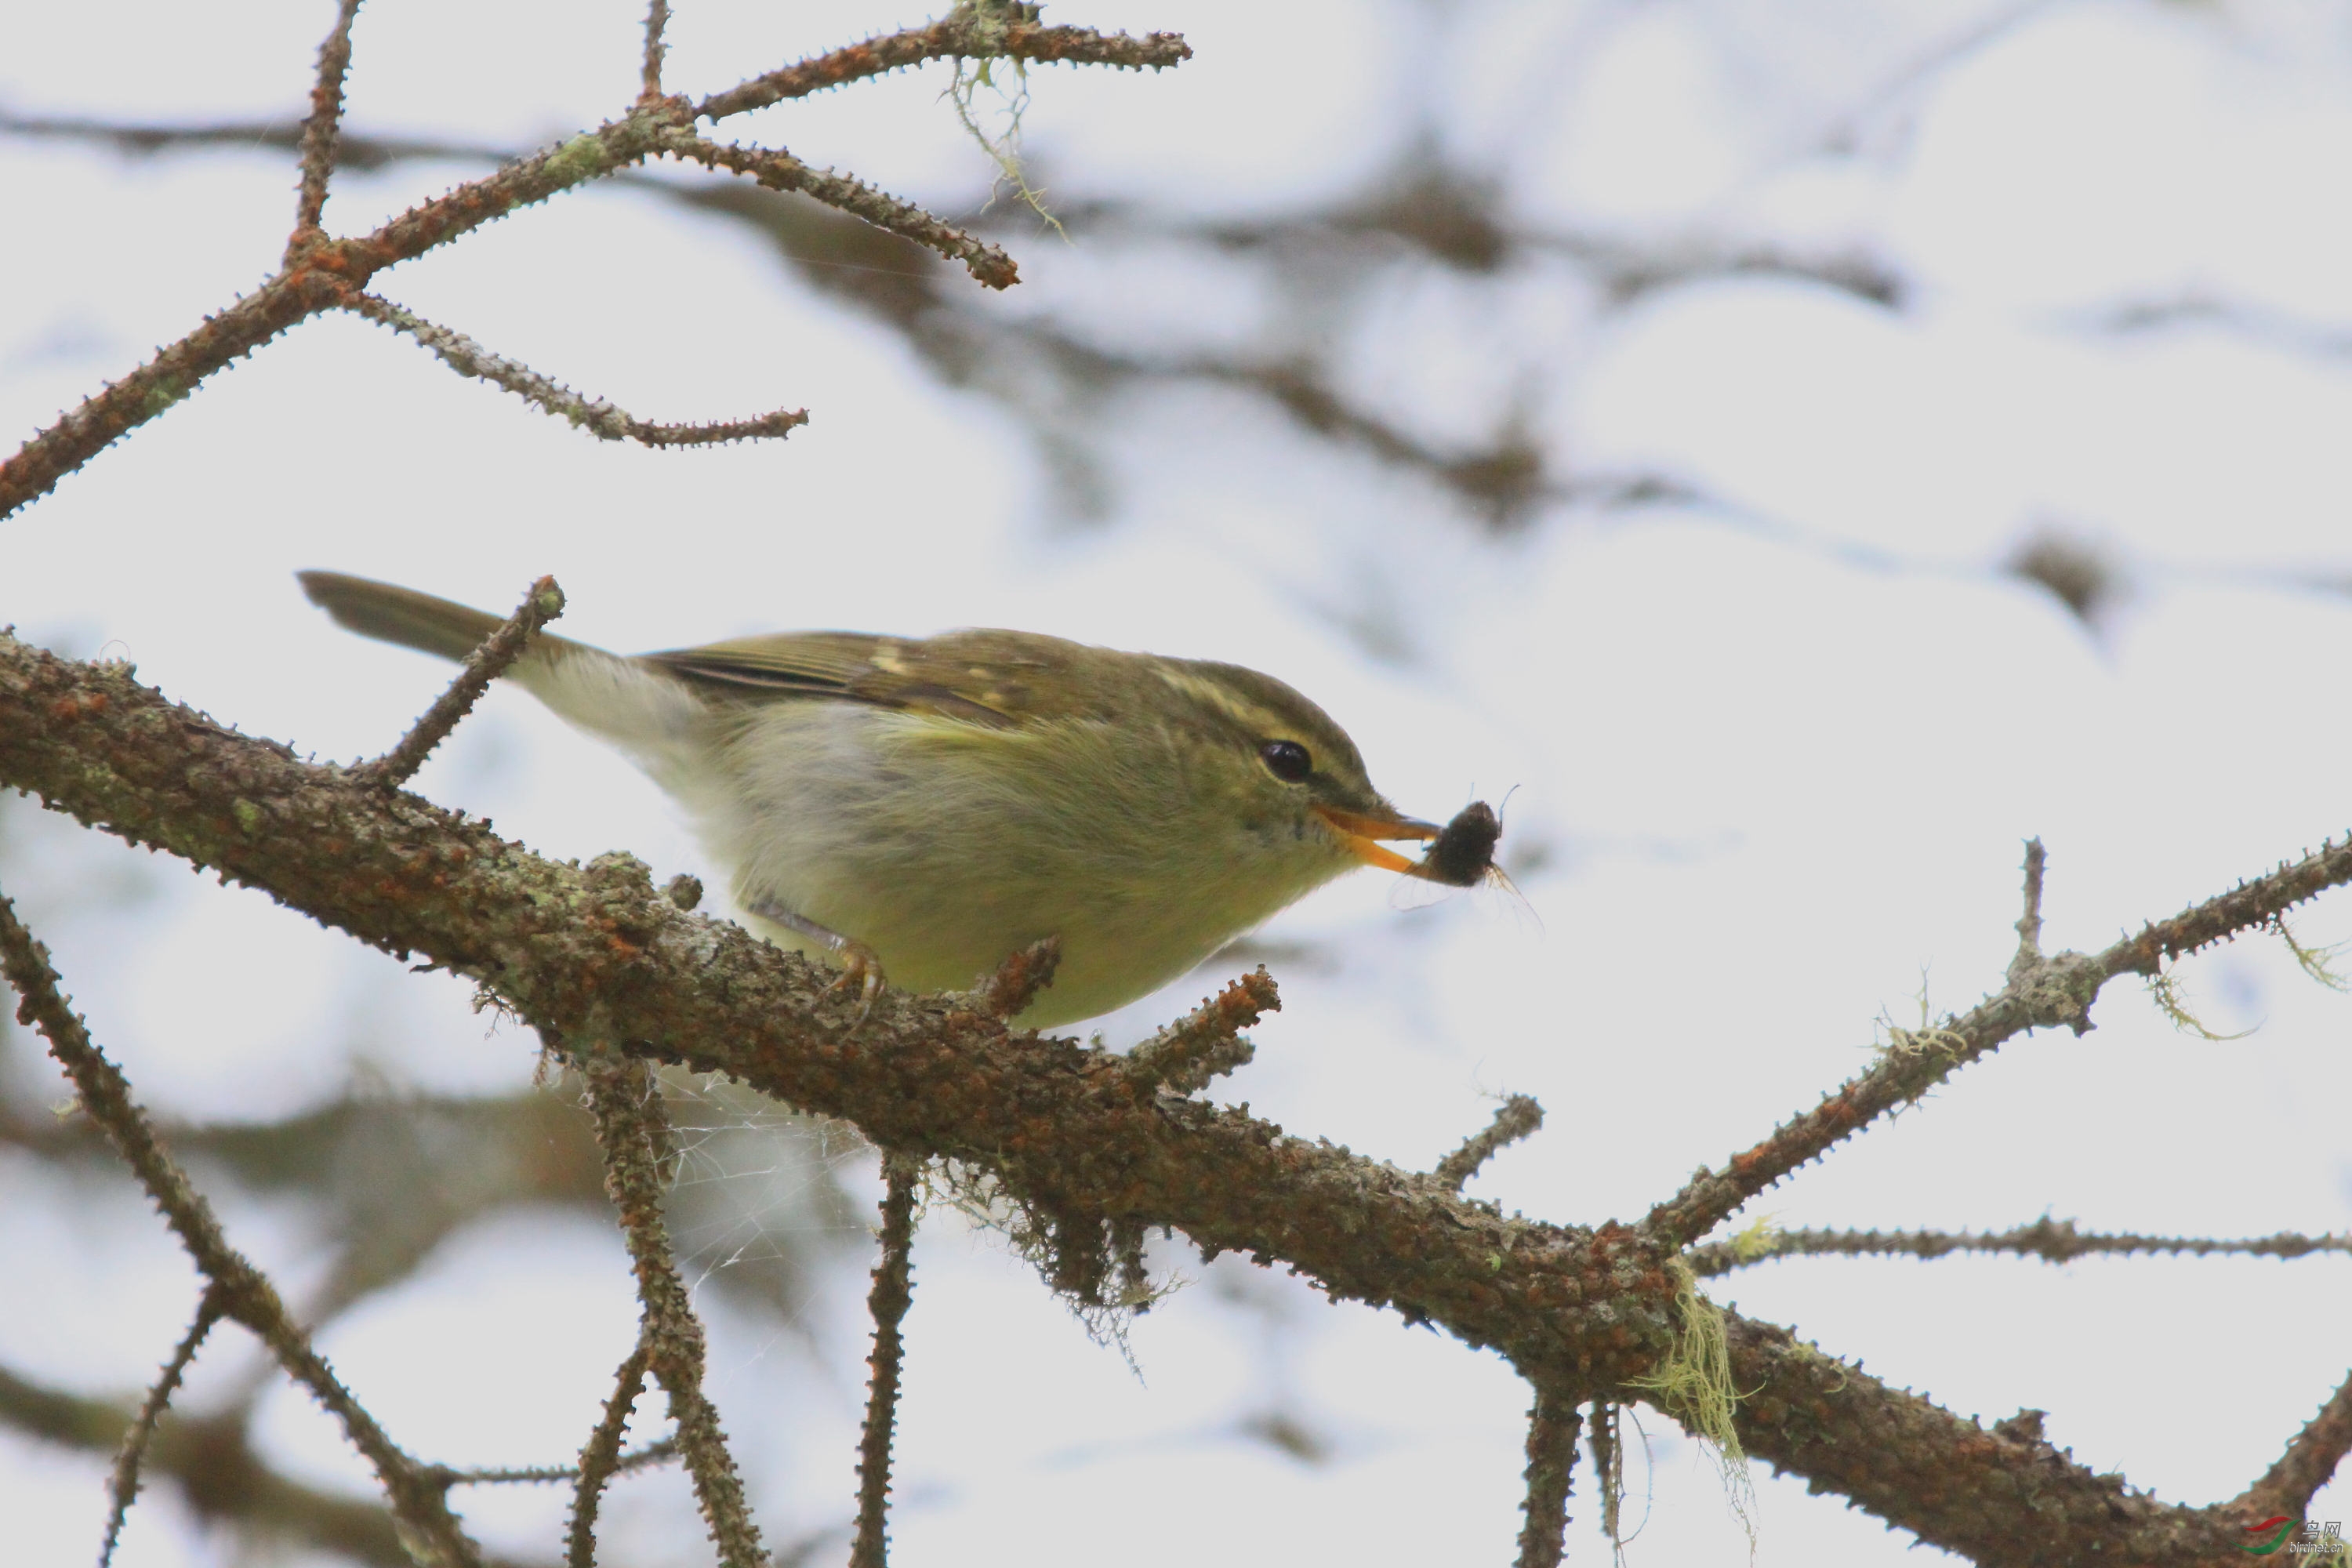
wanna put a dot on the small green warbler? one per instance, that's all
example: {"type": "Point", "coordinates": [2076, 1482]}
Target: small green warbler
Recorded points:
{"type": "Point", "coordinates": [924, 807]}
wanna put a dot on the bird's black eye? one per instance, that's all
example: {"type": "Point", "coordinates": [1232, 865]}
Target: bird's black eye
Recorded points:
{"type": "Point", "coordinates": [1287, 760]}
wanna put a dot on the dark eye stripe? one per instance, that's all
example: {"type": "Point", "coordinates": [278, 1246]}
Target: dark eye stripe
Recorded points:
{"type": "Point", "coordinates": [1287, 760]}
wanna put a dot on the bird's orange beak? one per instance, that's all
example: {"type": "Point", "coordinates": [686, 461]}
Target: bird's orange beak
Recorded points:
{"type": "Point", "coordinates": [1362, 833]}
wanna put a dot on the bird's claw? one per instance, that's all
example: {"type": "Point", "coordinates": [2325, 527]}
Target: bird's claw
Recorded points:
{"type": "Point", "coordinates": [861, 967]}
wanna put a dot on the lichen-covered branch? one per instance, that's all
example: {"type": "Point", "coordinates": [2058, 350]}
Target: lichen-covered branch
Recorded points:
{"type": "Point", "coordinates": [224, 1483]}
{"type": "Point", "coordinates": [2056, 1240]}
{"type": "Point", "coordinates": [323, 126]}
{"type": "Point", "coordinates": [781, 171]}
{"type": "Point", "coordinates": [599, 954]}
{"type": "Point", "coordinates": [639, 1161]}
{"type": "Point", "coordinates": [321, 274]}
{"type": "Point", "coordinates": [2041, 993]}
{"type": "Point", "coordinates": [2310, 1461]}
{"type": "Point", "coordinates": [1518, 1117]}
{"type": "Point", "coordinates": [1202, 1046]}
{"type": "Point", "coordinates": [962, 33]}
{"type": "Point", "coordinates": [599, 1456]}
{"type": "Point", "coordinates": [498, 653]}
{"type": "Point", "coordinates": [594, 414]}
{"type": "Point", "coordinates": [122, 1486]}
{"type": "Point", "coordinates": [242, 1292]}
{"type": "Point", "coordinates": [893, 1292]}
{"type": "Point", "coordinates": [1552, 1425]}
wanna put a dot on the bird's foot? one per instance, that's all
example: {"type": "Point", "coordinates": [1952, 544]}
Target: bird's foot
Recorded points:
{"type": "Point", "coordinates": [860, 965]}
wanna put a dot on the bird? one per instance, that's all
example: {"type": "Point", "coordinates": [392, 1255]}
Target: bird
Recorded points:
{"type": "Point", "coordinates": [916, 809]}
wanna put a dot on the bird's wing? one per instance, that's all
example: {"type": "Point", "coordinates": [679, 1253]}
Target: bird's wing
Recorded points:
{"type": "Point", "coordinates": [936, 676]}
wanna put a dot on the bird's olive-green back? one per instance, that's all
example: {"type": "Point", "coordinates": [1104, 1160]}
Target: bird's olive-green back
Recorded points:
{"type": "Point", "coordinates": [1007, 680]}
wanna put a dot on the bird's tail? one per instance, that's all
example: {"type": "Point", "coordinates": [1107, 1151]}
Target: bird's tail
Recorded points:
{"type": "Point", "coordinates": [622, 699]}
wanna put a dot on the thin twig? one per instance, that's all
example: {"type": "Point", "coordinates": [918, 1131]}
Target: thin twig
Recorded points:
{"type": "Point", "coordinates": [1516, 1118]}
{"type": "Point", "coordinates": [122, 1487]}
{"type": "Point", "coordinates": [599, 1456]}
{"type": "Point", "coordinates": [893, 1292]}
{"type": "Point", "coordinates": [633, 1128]}
{"type": "Point", "coordinates": [2056, 1240]}
{"type": "Point", "coordinates": [1552, 1425]}
{"type": "Point", "coordinates": [2310, 1461]}
{"type": "Point", "coordinates": [660, 1451]}
{"type": "Point", "coordinates": [2047, 991]}
{"type": "Point", "coordinates": [955, 35]}
{"type": "Point", "coordinates": [657, 19]}
{"type": "Point", "coordinates": [323, 126]}
{"type": "Point", "coordinates": [599, 418]}
{"type": "Point", "coordinates": [497, 655]}
{"type": "Point", "coordinates": [2029, 924]}
{"type": "Point", "coordinates": [245, 1293]}
{"type": "Point", "coordinates": [1207, 1042]}
{"type": "Point", "coordinates": [780, 171]}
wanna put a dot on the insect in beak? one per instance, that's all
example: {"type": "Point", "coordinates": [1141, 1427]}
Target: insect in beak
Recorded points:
{"type": "Point", "coordinates": [1362, 835]}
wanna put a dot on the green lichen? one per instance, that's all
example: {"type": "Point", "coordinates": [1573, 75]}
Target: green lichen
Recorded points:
{"type": "Point", "coordinates": [2164, 990]}
{"type": "Point", "coordinates": [249, 816]}
{"type": "Point", "coordinates": [1693, 1385]}
{"type": "Point", "coordinates": [581, 158]}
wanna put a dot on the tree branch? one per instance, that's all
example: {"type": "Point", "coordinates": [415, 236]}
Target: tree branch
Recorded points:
{"type": "Point", "coordinates": [244, 1292]}
{"type": "Point", "coordinates": [1552, 1425]}
{"type": "Point", "coordinates": [2041, 993]}
{"type": "Point", "coordinates": [599, 954]}
{"type": "Point", "coordinates": [497, 655]}
{"type": "Point", "coordinates": [1516, 1118]}
{"type": "Point", "coordinates": [598, 417]}
{"type": "Point", "coordinates": [893, 1292]}
{"type": "Point", "coordinates": [122, 1487]}
{"type": "Point", "coordinates": [780, 171]}
{"type": "Point", "coordinates": [599, 1456]}
{"type": "Point", "coordinates": [2056, 1240]}
{"type": "Point", "coordinates": [639, 1159]}
{"type": "Point", "coordinates": [321, 128]}
{"type": "Point", "coordinates": [2310, 1460]}
{"type": "Point", "coordinates": [960, 33]}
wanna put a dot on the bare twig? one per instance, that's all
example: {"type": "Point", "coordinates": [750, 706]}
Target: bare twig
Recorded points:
{"type": "Point", "coordinates": [780, 171]}
{"type": "Point", "coordinates": [658, 1452]}
{"type": "Point", "coordinates": [222, 1479]}
{"type": "Point", "coordinates": [323, 126]}
{"type": "Point", "coordinates": [123, 1485]}
{"type": "Point", "coordinates": [2041, 993]}
{"type": "Point", "coordinates": [657, 19]}
{"type": "Point", "coordinates": [1552, 1425]}
{"type": "Point", "coordinates": [892, 1293]}
{"type": "Point", "coordinates": [2029, 924]}
{"type": "Point", "coordinates": [1207, 1042]}
{"type": "Point", "coordinates": [244, 1292]}
{"type": "Point", "coordinates": [954, 35]}
{"type": "Point", "coordinates": [2056, 1240]}
{"type": "Point", "coordinates": [599, 418]}
{"type": "Point", "coordinates": [2310, 1460]}
{"type": "Point", "coordinates": [633, 1129]}
{"type": "Point", "coordinates": [1516, 1118]}
{"type": "Point", "coordinates": [599, 1456]}
{"type": "Point", "coordinates": [498, 653]}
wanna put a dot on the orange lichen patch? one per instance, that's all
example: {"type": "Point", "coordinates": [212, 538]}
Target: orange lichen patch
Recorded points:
{"type": "Point", "coordinates": [68, 708]}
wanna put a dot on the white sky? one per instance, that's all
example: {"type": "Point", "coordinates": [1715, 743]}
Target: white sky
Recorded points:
{"type": "Point", "coordinates": [1779, 753]}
